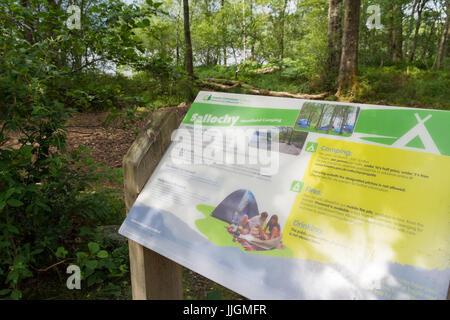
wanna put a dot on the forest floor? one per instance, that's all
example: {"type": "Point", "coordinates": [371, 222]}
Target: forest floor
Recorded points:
{"type": "Point", "coordinates": [108, 144]}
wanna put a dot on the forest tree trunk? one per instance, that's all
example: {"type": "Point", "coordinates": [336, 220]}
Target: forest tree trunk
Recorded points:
{"type": "Point", "coordinates": [409, 31]}
{"type": "Point", "coordinates": [178, 35]}
{"type": "Point", "coordinates": [187, 40]}
{"type": "Point", "coordinates": [28, 32]}
{"type": "Point", "coordinates": [224, 26]}
{"type": "Point", "coordinates": [311, 115]}
{"type": "Point", "coordinates": [344, 120]}
{"type": "Point", "coordinates": [244, 33]}
{"type": "Point", "coordinates": [445, 33]}
{"type": "Point", "coordinates": [334, 35]}
{"type": "Point", "coordinates": [348, 70]}
{"type": "Point", "coordinates": [416, 33]}
{"type": "Point", "coordinates": [428, 45]}
{"type": "Point", "coordinates": [333, 117]}
{"type": "Point", "coordinates": [282, 18]}
{"type": "Point", "coordinates": [322, 112]}
{"type": "Point", "coordinates": [397, 32]}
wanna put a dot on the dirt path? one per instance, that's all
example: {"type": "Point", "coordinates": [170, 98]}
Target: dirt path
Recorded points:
{"type": "Point", "coordinates": [108, 143]}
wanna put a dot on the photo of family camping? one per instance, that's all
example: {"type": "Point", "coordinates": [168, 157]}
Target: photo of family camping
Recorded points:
{"type": "Point", "coordinates": [237, 221]}
{"type": "Point", "coordinates": [331, 119]}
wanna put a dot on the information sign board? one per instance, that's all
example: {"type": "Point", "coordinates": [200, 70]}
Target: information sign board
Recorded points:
{"type": "Point", "coordinates": [279, 198]}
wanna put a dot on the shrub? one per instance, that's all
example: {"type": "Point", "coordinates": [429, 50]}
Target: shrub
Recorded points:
{"type": "Point", "coordinates": [396, 86]}
{"type": "Point", "coordinates": [46, 193]}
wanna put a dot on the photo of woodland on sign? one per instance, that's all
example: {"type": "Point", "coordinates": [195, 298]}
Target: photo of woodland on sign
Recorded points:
{"type": "Point", "coordinates": [327, 118]}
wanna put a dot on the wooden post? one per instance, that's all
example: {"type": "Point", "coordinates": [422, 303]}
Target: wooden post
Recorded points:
{"type": "Point", "coordinates": [152, 275]}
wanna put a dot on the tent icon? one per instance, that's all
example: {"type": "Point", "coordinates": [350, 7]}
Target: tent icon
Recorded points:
{"type": "Point", "coordinates": [418, 131]}
{"type": "Point", "coordinates": [236, 205]}
{"type": "Point", "coordinates": [312, 147]}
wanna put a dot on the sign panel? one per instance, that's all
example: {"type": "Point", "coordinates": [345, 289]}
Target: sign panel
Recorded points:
{"type": "Point", "coordinates": [279, 198]}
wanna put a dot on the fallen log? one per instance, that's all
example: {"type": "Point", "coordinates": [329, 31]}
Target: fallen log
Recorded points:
{"type": "Point", "coordinates": [267, 70]}
{"type": "Point", "coordinates": [283, 94]}
{"type": "Point", "coordinates": [215, 86]}
{"type": "Point", "coordinates": [226, 82]}
{"type": "Point", "coordinates": [225, 85]}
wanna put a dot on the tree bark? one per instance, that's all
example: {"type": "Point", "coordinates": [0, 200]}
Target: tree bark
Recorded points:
{"type": "Point", "coordinates": [187, 40]}
{"type": "Point", "coordinates": [335, 32]}
{"type": "Point", "coordinates": [222, 7]}
{"type": "Point", "coordinates": [177, 48]}
{"type": "Point", "coordinates": [244, 33]}
{"type": "Point", "coordinates": [428, 45]}
{"type": "Point", "coordinates": [311, 115]}
{"type": "Point", "coordinates": [207, 14]}
{"type": "Point", "coordinates": [252, 32]}
{"type": "Point", "coordinates": [234, 53]}
{"type": "Point", "coordinates": [333, 117]}
{"type": "Point", "coordinates": [322, 113]}
{"type": "Point", "coordinates": [408, 34]}
{"type": "Point", "coordinates": [344, 120]}
{"type": "Point", "coordinates": [416, 33]}
{"type": "Point", "coordinates": [348, 70]}
{"type": "Point", "coordinates": [28, 31]}
{"type": "Point", "coordinates": [397, 32]}
{"type": "Point", "coordinates": [442, 43]}
{"type": "Point", "coordinates": [334, 35]}
{"type": "Point", "coordinates": [282, 18]}
{"type": "Point", "coordinates": [225, 84]}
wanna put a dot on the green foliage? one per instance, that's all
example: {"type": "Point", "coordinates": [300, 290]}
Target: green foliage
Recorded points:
{"type": "Point", "coordinates": [213, 295]}
{"type": "Point", "coordinates": [218, 71]}
{"type": "Point", "coordinates": [98, 265]}
{"type": "Point", "coordinates": [289, 78]}
{"type": "Point", "coordinates": [396, 86]}
{"type": "Point", "coordinates": [106, 40]}
{"type": "Point", "coordinates": [38, 218]}
{"type": "Point", "coordinates": [104, 266]}
{"type": "Point", "coordinates": [98, 92]}
{"type": "Point", "coordinates": [171, 90]}
{"type": "Point", "coordinates": [46, 193]}
{"type": "Point", "coordinates": [51, 200]}
{"type": "Point", "coordinates": [388, 85]}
